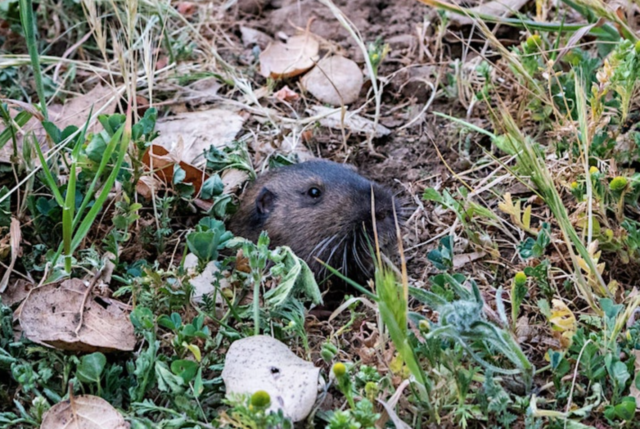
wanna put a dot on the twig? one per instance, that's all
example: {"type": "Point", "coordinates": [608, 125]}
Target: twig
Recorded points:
{"type": "Point", "coordinates": [97, 277]}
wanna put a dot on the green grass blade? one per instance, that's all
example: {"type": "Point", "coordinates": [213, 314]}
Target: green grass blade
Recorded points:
{"type": "Point", "coordinates": [47, 173]}
{"type": "Point", "coordinates": [394, 311]}
{"type": "Point", "coordinates": [467, 125]}
{"type": "Point", "coordinates": [29, 27]}
{"type": "Point", "coordinates": [350, 282]}
{"type": "Point", "coordinates": [513, 22]}
{"type": "Point", "coordinates": [113, 143]}
{"type": "Point", "coordinates": [9, 133]}
{"type": "Point", "coordinates": [67, 216]}
{"type": "Point", "coordinates": [84, 227]}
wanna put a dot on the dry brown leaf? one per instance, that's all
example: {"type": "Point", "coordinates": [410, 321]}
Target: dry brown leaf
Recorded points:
{"type": "Point", "coordinates": [286, 94]}
{"type": "Point", "coordinates": [186, 8]}
{"type": "Point", "coordinates": [264, 363]}
{"type": "Point", "coordinates": [289, 59]}
{"type": "Point", "coordinates": [575, 38]}
{"type": "Point", "coordinates": [159, 160]}
{"type": "Point", "coordinates": [51, 314]}
{"type": "Point", "coordinates": [16, 237]}
{"type": "Point", "coordinates": [251, 36]}
{"type": "Point", "coordinates": [17, 292]}
{"type": "Point", "coordinates": [502, 8]}
{"type": "Point", "coordinates": [83, 412]}
{"type": "Point", "coordinates": [162, 62]}
{"type": "Point", "coordinates": [74, 112]}
{"type": "Point", "coordinates": [147, 186]}
{"type": "Point", "coordinates": [199, 131]}
{"type": "Point", "coordinates": [465, 258]}
{"type": "Point", "coordinates": [242, 262]}
{"type": "Point", "coordinates": [233, 179]}
{"type": "Point", "coordinates": [351, 121]}
{"type": "Point", "coordinates": [335, 80]}
{"type": "Point", "coordinates": [203, 91]}
{"type": "Point", "coordinates": [203, 283]}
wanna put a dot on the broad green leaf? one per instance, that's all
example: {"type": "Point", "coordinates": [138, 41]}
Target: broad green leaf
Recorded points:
{"type": "Point", "coordinates": [185, 369]}
{"type": "Point", "coordinates": [212, 187]}
{"type": "Point", "coordinates": [91, 368]}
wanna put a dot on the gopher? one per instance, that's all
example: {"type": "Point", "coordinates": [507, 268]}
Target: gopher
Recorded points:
{"type": "Point", "coordinates": [323, 211]}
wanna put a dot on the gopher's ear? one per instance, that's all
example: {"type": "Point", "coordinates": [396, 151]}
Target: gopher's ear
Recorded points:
{"type": "Point", "coordinates": [265, 201]}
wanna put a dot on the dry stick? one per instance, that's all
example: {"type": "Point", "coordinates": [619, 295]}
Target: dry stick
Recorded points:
{"type": "Point", "coordinates": [375, 229]}
{"type": "Point", "coordinates": [573, 383]}
{"type": "Point", "coordinates": [16, 272]}
{"type": "Point", "coordinates": [403, 261]}
{"type": "Point", "coordinates": [66, 53]}
{"type": "Point", "coordinates": [434, 92]}
{"type": "Point", "coordinates": [72, 403]}
{"type": "Point", "coordinates": [446, 164]}
{"type": "Point", "coordinates": [86, 297]}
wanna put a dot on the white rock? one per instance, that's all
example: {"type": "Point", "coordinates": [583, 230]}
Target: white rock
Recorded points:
{"type": "Point", "coordinates": [264, 363]}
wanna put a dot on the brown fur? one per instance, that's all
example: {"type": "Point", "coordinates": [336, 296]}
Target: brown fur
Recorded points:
{"type": "Point", "coordinates": [332, 227]}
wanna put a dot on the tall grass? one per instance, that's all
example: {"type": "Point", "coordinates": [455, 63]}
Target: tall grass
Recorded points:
{"type": "Point", "coordinates": [29, 27]}
{"type": "Point", "coordinates": [75, 225]}
{"type": "Point", "coordinates": [531, 163]}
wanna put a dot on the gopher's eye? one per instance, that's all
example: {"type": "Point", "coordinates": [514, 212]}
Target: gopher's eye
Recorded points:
{"type": "Point", "coordinates": [314, 192]}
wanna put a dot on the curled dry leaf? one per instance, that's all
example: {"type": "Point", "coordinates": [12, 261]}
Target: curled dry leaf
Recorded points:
{"type": "Point", "coordinates": [251, 36]}
{"type": "Point", "coordinates": [290, 145]}
{"type": "Point", "coordinates": [264, 363]}
{"type": "Point", "coordinates": [233, 179]}
{"type": "Point", "coordinates": [353, 122]}
{"type": "Point", "coordinates": [335, 80]}
{"type": "Point", "coordinates": [198, 130]}
{"type": "Point", "coordinates": [286, 94]}
{"type": "Point", "coordinates": [463, 259]}
{"type": "Point", "coordinates": [203, 283]}
{"type": "Point", "coordinates": [389, 408]}
{"type": "Point", "coordinates": [83, 412]}
{"type": "Point", "coordinates": [203, 91]}
{"type": "Point", "coordinates": [502, 8]}
{"type": "Point", "coordinates": [162, 62]}
{"type": "Point", "coordinates": [161, 163]}
{"type": "Point", "coordinates": [50, 315]}
{"type": "Point", "coordinates": [147, 186]}
{"type": "Point", "coordinates": [289, 59]}
{"type": "Point", "coordinates": [15, 233]}
{"type": "Point", "coordinates": [16, 292]}
{"type": "Point", "coordinates": [186, 8]}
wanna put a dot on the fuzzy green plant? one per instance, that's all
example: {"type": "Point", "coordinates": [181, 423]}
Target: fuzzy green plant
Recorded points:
{"type": "Point", "coordinates": [463, 322]}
